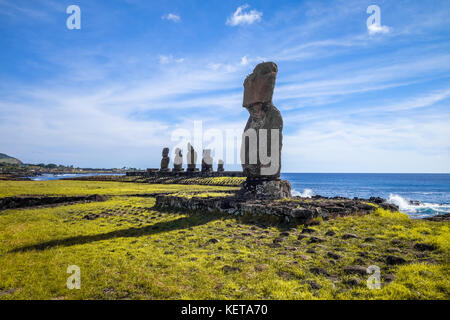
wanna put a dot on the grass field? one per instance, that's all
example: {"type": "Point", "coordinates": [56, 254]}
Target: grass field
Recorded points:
{"type": "Point", "coordinates": [132, 251]}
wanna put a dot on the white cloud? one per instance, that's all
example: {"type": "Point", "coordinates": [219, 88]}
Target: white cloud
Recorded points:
{"type": "Point", "coordinates": [244, 60]}
{"type": "Point", "coordinates": [163, 59]}
{"type": "Point", "coordinates": [240, 17]}
{"type": "Point", "coordinates": [172, 17]}
{"type": "Point", "coordinates": [376, 28]}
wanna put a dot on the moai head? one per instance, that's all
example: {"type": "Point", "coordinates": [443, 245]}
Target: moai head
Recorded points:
{"type": "Point", "coordinates": [207, 156]}
{"type": "Point", "coordinates": [258, 89]}
{"type": "Point", "coordinates": [165, 152]}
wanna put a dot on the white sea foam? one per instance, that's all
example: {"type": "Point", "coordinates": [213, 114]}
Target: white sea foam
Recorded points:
{"type": "Point", "coordinates": [418, 210]}
{"type": "Point", "coordinates": [307, 193]}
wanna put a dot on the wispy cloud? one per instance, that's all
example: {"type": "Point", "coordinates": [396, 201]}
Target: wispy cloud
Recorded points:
{"type": "Point", "coordinates": [241, 17]}
{"type": "Point", "coordinates": [163, 59]}
{"type": "Point", "coordinates": [172, 17]}
{"type": "Point", "coordinates": [375, 28]}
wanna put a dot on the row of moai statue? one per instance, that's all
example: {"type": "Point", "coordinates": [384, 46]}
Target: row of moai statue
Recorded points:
{"type": "Point", "coordinates": [207, 161]}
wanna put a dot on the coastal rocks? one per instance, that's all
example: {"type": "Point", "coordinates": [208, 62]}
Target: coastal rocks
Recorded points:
{"type": "Point", "coordinates": [440, 218]}
{"type": "Point", "coordinates": [383, 203]}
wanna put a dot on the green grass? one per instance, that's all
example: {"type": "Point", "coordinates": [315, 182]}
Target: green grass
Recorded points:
{"type": "Point", "coordinates": [71, 188]}
{"type": "Point", "coordinates": [132, 251]}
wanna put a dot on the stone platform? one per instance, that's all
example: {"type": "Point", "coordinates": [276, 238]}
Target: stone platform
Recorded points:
{"type": "Point", "coordinates": [296, 210]}
{"type": "Point", "coordinates": [156, 173]}
{"type": "Point", "coordinates": [261, 189]}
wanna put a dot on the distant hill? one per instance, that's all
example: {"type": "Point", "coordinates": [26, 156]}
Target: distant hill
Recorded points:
{"type": "Point", "coordinates": [4, 158]}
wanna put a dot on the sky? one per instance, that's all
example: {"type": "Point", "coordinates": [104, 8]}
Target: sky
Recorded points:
{"type": "Point", "coordinates": [116, 91]}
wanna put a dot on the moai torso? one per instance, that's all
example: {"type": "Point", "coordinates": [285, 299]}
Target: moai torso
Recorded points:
{"type": "Point", "coordinates": [207, 161]}
{"type": "Point", "coordinates": [220, 166]}
{"type": "Point", "coordinates": [191, 158]}
{"type": "Point", "coordinates": [178, 161]}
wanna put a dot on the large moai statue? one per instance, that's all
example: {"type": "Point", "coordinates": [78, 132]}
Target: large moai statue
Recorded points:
{"type": "Point", "coordinates": [220, 166]}
{"type": "Point", "coordinates": [178, 161]}
{"type": "Point", "coordinates": [191, 159]}
{"type": "Point", "coordinates": [207, 161]}
{"type": "Point", "coordinates": [262, 138]}
{"type": "Point", "coordinates": [165, 160]}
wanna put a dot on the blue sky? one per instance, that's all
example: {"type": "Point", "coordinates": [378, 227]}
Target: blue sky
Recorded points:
{"type": "Point", "coordinates": [112, 93]}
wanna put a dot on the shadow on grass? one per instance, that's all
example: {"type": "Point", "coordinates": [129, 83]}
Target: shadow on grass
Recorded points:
{"type": "Point", "coordinates": [159, 227]}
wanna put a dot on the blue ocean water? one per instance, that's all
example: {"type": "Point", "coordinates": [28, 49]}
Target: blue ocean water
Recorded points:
{"type": "Point", "coordinates": [432, 190]}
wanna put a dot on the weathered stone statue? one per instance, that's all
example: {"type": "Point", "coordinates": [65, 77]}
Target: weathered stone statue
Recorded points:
{"type": "Point", "coordinates": [220, 166]}
{"type": "Point", "coordinates": [262, 138]}
{"type": "Point", "coordinates": [191, 159]}
{"type": "Point", "coordinates": [165, 160]}
{"type": "Point", "coordinates": [207, 161]}
{"type": "Point", "coordinates": [178, 161]}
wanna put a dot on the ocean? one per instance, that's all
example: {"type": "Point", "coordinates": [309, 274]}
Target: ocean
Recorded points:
{"type": "Point", "coordinates": [432, 190]}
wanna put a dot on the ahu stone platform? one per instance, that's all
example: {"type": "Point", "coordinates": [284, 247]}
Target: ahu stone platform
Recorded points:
{"type": "Point", "coordinates": [156, 173]}
{"type": "Point", "coordinates": [296, 210]}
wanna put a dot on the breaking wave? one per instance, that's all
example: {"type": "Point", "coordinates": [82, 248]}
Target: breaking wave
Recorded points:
{"type": "Point", "coordinates": [307, 193]}
{"type": "Point", "coordinates": [418, 209]}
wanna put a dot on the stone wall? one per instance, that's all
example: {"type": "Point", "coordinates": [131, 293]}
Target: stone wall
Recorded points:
{"type": "Point", "coordinates": [293, 210]}
{"type": "Point", "coordinates": [155, 173]}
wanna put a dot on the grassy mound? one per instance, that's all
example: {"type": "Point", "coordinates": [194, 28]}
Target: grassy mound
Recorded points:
{"type": "Point", "coordinates": [128, 250]}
